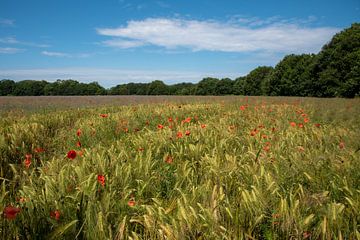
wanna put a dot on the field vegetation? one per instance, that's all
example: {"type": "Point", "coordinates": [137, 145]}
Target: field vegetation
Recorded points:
{"type": "Point", "coordinates": [219, 168]}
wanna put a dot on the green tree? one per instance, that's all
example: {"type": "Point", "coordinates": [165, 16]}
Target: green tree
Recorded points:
{"type": "Point", "coordinates": [224, 87]}
{"type": "Point", "coordinates": [7, 87]}
{"type": "Point", "coordinates": [252, 84]}
{"type": "Point", "coordinates": [207, 86]}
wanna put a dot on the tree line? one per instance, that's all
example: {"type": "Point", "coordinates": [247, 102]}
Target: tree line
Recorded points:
{"type": "Point", "coordinates": [333, 72]}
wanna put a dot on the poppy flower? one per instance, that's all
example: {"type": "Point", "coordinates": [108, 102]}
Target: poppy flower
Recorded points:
{"type": "Point", "coordinates": [39, 150]}
{"type": "Point", "coordinates": [317, 124]}
{"type": "Point", "coordinates": [78, 132]}
{"type": "Point", "coordinates": [159, 126]}
{"type": "Point", "coordinates": [55, 214]}
{"type": "Point", "coordinates": [78, 144]}
{"type": "Point", "coordinates": [101, 179]}
{"type": "Point", "coordinates": [140, 149]}
{"type": "Point", "coordinates": [242, 107]}
{"type": "Point", "coordinates": [27, 163]}
{"type": "Point", "coordinates": [187, 132]}
{"type": "Point", "coordinates": [131, 203]}
{"type": "Point", "coordinates": [301, 125]}
{"type": "Point", "coordinates": [254, 132]}
{"type": "Point", "coordinates": [306, 120]}
{"type": "Point", "coordinates": [10, 212]}
{"type": "Point", "coordinates": [71, 154]}
{"type": "Point", "coordinates": [169, 159]}
{"type": "Point", "coordinates": [203, 125]}
{"type": "Point", "coordinates": [342, 145]}
{"type": "Point", "coordinates": [187, 120]}
{"type": "Point", "coordinates": [267, 148]}
{"type": "Point", "coordinates": [104, 115]}
{"type": "Point", "coordinates": [179, 134]}
{"type": "Point", "coordinates": [293, 124]}
{"type": "Point", "coordinates": [170, 119]}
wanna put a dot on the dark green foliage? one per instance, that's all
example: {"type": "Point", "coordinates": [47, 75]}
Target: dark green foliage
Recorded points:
{"type": "Point", "coordinates": [6, 87]}
{"type": "Point", "coordinates": [333, 72]}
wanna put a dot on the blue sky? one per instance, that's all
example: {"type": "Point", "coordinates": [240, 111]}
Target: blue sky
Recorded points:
{"type": "Point", "coordinates": [120, 41]}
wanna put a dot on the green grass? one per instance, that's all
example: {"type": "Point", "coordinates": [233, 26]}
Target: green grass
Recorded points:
{"type": "Point", "coordinates": [219, 182]}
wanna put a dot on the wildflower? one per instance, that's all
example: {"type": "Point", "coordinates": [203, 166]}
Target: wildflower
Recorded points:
{"type": "Point", "coordinates": [203, 125]}
{"type": "Point", "coordinates": [104, 115]}
{"type": "Point", "coordinates": [101, 180]}
{"type": "Point", "coordinates": [10, 212]}
{"type": "Point", "coordinates": [306, 120]}
{"type": "Point", "coordinates": [71, 154]}
{"type": "Point", "coordinates": [293, 124]}
{"type": "Point", "coordinates": [39, 150]}
{"type": "Point", "coordinates": [78, 132]}
{"type": "Point", "coordinates": [187, 132]}
{"type": "Point", "coordinates": [170, 119]}
{"type": "Point", "coordinates": [242, 107]}
{"type": "Point", "coordinates": [27, 161]}
{"type": "Point", "coordinates": [140, 149]}
{"type": "Point", "coordinates": [131, 202]}
{"type": "Point", "coordinates": [301, 125]}
{"type": "Point", "coordinates": [342, 145]}
{"type": "Point", "coordinates": [317, 124]}
{"type": "Point", "coordinates": [55, 214]}
{"type": "Point", "coordinates": [80, 153]}
{"type": "Point", "coordinates": [267, 148]}
{"type": "Point", "coordinates": [169, 159]}
{"type": "Point", "coordinates": [187, 120]}
{"type": "Point", "coordinates": [159, 126]}
{"type": "Point", "coordinates": [179, 134]}
{"type": "Point", "coordinates": [254, 132]}
{"type": "Point", "coordinates": [78, 144]}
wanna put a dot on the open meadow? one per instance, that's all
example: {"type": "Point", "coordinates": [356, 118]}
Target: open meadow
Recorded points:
{"type": "Point", "coordinates": [179, 168]}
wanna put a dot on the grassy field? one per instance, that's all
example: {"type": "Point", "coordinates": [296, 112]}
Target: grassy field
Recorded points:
{"type": "Point", "coordinates": [179, 168]}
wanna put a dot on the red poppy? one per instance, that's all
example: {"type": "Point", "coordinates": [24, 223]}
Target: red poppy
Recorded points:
{"type": "Point", "coordinates": [179, 134]}
{"type": "Point", "coordinates": [342, 145]}
{"type": "Point", "coordinates": [104, 115]}
{"type": "Point", "coordinates": [78, 132]}
{"type": "Point", "coordinates": [203, 125]}
{"type": "Point", "coordinates": [301, 125]}
{"type": "Point", "coordinates": [55, 214]}
{"type": "Point", "coordinates": [254, 132]}
{"type": "Point", "coordinates": [78, 144]}
{"type": "Point", "coordinates": [71, 154]}
{"type": "Point", "coordinates": [306, 120]}
{"type": "Point", "coordinates": [101, 179]}
{"type": "Point", "coordinates": [293, 124]}
{"type": "Point", "coordinates": [169, 159]}
{"type": "Point", "coordinates": [10, 212]}
{"type": "Point", "coordinates": [39, 150]}
{"type": "Point", "coordinates": [131, 203]}
{"type": "Point", "coordinates": [27, 163]}
{"type": "Point", "coordinates": [187, 132]}
{"type": "Point", "coordinates": [170, 119]}
{"type": "Point", "coordinates": [140, 149]}
{"type": "Point", "coordinates": [242, 108]}
{"type": "Point", "coordinates": [267, 148]}
{"type": "Point", "coordinates": [159, 126]}
{"type": "Point", "coordinates": [317, 124]}
{"type": "Point", "coordinates": [187, 120]}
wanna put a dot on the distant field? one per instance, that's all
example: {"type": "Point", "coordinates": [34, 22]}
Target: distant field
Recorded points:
{"type": "Point", "coordinates": [179, 168]}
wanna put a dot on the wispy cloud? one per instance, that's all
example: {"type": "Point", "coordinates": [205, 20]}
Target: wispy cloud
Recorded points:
{"type": "Point", "coordinates": [55, 54]}
{"type": "Point", "coordinates": [246, 35]}
{"type": "Point", "coordinates": [110, 77]}
{"type": "Point", "coordinates": [66, 55]}
{"type": "Point", "coordinates": [7, 22]}
{"type": "Point", "coordinates": [13, 40]}
{"type": "Point", "coordinates": [9, 50]}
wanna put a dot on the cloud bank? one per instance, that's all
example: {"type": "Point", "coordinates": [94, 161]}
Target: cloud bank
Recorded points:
{"type": "Point", "coordinates": [108, 77]}
{"type": "Point", "coordinates": [240, 36]}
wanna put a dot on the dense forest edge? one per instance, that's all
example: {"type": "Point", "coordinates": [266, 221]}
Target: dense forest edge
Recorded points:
{"type": "Point", "coordinates": [333, 72]}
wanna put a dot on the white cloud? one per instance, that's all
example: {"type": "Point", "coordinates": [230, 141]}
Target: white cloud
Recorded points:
{"type": "Point", "coordinates": [7, 22]}
{"type": "Point", "coordinates": [13, 40]}
{"type": "Point", "coordinates": [55, 54]}
{"type": "Point", "coordinates": [9, 50]}
{"type": "Point", "coordinates": [246, 35]}
{"type": "Point", "coordinates": [66, 55]}
{"type": "Point", "coordinates": [110, 77]}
